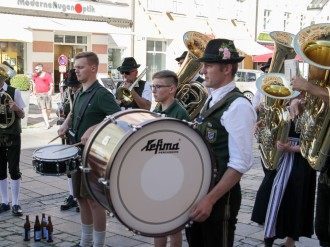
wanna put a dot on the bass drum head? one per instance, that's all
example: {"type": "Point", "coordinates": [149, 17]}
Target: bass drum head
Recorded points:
{"type": "Point", "coordinates": [159, 173]}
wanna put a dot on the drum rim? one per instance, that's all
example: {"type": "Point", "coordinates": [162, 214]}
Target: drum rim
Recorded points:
{"type": "Point", "coordinates": [74, 156]}
{"type": "Point", "coordinates": [180, 227]}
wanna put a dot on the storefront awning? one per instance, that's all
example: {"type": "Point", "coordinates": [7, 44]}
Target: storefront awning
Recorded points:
{"type": "Point", "coordinates": [264, 57]}
{"type": "Point", "coordinates": [14, 32]}
{"type": "Point", "coordinates": [55, 24]}
{"type": "Point", "coordinates": [251, 47]}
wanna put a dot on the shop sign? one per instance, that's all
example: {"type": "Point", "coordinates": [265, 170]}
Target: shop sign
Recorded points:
{"type": "Point", "coordinates": [62, 68]}
{"type": "Point", "coordinates": [76, 8]}
{"type": "Point", "coordinates": [114, 9]}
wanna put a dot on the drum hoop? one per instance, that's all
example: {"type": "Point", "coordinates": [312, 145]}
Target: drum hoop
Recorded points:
{"type": "Point", "coordinates": [74, 156]}
{"type": "Point", "coordinates": [109, 169]}
{"type": "Point", "coordinates": [108, 120]}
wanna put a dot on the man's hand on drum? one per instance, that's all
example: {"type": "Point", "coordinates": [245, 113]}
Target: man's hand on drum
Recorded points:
{"type": "Point", "coordinates": [202, 210]}
{"type": "Point", "coordinates": [86, 135]}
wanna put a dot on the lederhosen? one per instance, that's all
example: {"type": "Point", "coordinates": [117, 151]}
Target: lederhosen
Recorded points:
{"type": "Point", "coordinates": [219, 228]}
{"type": "Point", "coordinates": [10, 144]}
{"type": "Point", "coordinates": [322, 218]}
{"type": "Point", "coordinates": [138, 90]}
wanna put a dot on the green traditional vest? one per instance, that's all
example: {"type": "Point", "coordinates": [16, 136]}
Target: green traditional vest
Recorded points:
{"type": "Point", "coordinates": [139, 91]}
{"type": "Point", "coordinates": [215, 133]}
{"type": "Point", "coordinates": [15, 128]}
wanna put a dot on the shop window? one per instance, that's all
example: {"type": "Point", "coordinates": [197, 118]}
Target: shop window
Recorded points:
{"type": "Point", "coordinates": [155, 5]}
{"type": "Point", "coordinates": [14, 54]}
{"type": "Point", "coordinates": [114, 61]}
{"type": "Point", "coordinates": [81, 40]}
{"type": "Point", "coordinates": [59, 38]}
{"type": "Point", "coordinates": [70, 39]}
{"type": "Point", "coordinates": [156, 57]}
{"type": "Point", "coordinates": [177, 6]}
{"type": "Point", "coordinates": [200, 8]}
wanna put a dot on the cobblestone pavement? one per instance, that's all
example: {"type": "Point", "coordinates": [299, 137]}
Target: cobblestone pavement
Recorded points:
{"type": "Point", "coordinates": [44, 194]}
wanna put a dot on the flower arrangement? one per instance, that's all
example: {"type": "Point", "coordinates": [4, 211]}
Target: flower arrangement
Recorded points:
{"type": "Point", "coordinates": [227, 51]}
{"type": "Point", "coordinates": [21, 82]}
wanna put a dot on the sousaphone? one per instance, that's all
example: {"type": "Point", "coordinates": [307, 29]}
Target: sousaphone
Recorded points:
{"type": "Point", "coordinates": [192, 94]}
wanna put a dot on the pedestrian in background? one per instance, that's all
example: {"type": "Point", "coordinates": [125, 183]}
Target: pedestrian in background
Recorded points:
{"type": "Point", "coordinates": [43, 88]}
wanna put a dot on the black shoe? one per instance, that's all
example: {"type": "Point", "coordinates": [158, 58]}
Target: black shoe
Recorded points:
{"type": "Point", "coordinates": [69, 203]}
{"type": "Point", "coordinates": [4, 207]}
{"type": "Point", "coordinates": [78, 245]}
{"type": "Point", "coordinates": [16, 210]}
{"type": "Point", "coordinates": [77, 209]}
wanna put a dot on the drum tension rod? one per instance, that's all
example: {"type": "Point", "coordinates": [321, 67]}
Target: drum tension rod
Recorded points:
{"type": "Point", "coordinates": [103, 181]}
{"type": "Point", "coordinates": [134, 127]}
{"type": "Point", "coordinates": [85, 169]}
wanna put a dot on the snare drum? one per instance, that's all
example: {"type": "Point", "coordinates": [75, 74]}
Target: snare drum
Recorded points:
{"type": "Point", "coordinates": [148, 170]}
{"type": "Point", "coordinates": [47, 161]}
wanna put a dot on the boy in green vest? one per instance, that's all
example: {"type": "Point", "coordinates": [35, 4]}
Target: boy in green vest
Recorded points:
{"type": "Point", "coordinates": [164, 86]}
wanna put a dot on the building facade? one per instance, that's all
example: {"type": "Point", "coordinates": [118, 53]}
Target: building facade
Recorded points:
{"type": "Point", "coordinates": [43, 31]}
{"type": "Point", "coordinates": [40, 31]}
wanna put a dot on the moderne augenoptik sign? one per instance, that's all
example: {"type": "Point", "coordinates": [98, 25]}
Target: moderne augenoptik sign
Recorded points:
{"type": "Point", "coordinates": [56, 6]}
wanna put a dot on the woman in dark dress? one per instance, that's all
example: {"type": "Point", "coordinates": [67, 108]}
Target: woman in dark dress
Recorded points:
{"type": "Point", "coordinates": [290, 210]}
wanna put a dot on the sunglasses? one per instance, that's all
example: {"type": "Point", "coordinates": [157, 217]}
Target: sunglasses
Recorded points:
{"type": "Point", "coordinates": [158, 86]}
{"type": "Point", "coordinates": [125, 72]}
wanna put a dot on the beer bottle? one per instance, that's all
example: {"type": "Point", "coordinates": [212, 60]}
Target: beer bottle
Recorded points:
{"type": "Point", "coordinates": [43, 227]}
{"type": "Point", "coordinates": [27, 229]}
{"type": "Point", "coordinates": [50, 236]}
{"type": "Point", "coordinates": [37, 230]}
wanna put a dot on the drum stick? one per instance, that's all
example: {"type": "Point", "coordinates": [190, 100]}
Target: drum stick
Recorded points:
{"type": "Point", "coordinates": [70, 146]}
{"type": "Point", "coordinates": [54, 139]}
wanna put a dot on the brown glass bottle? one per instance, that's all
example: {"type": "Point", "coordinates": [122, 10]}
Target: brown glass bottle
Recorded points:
{"type": "Point", "coordinates": [50, 236]}
{"type": "Point", "coordinates": [27, 229]}
{"type": "Point", "coordinates": [37, 230]}
{"type": "Point", "coordinates": [43, 227]}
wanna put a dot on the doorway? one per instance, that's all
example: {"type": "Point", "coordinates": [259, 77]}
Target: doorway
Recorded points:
{"type": "Point", "coordinates": [69, 51]}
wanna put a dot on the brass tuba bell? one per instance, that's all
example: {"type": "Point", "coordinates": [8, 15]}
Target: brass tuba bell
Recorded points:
{"type": "Point", "coordinates": [312, 44]}
{"type": "Point", "coordinates": [277, 119]}
{"type": "Point", "coordinates": [192, 94]}
{"type": "Point", "coordinates": [276, 90]}
{"type": "Point", "coordinates": [7, 117]}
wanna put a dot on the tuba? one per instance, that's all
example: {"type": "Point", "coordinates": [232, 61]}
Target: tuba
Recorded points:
{"type": "Point", "coordinates": [312, 44]}
{"type": "Point", "coordinates": [7, 117]}
{"type": "Point", "coordinates": [124, 94]}
{"type": "Point", "coordinates": [276, 89]}
{"type": "Point", "coordinates": [192, 94]}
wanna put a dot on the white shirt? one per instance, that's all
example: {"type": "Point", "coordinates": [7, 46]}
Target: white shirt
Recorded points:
{"type": "Point", "coordinates": [239, 121]}
{"type": "Point", "coordinates": [18, 97]}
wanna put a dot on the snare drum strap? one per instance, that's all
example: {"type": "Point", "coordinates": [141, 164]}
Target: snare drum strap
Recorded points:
{"type": "Point", "coordinates": [84, 107]}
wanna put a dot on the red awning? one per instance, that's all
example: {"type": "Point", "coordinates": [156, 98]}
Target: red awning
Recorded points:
{"type": "Point", "coordinates": [264, 58]}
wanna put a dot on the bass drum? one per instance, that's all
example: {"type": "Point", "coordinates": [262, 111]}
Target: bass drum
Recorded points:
{"type": "Point", "coordinates": [148, 170]}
